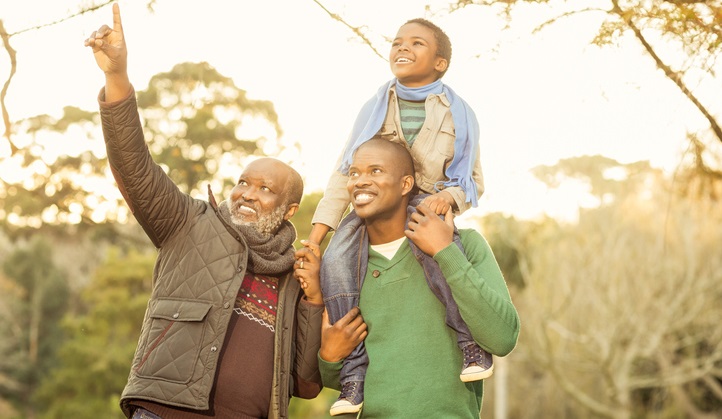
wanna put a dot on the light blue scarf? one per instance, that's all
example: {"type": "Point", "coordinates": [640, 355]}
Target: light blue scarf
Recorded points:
{"type": "Point", "coordinates": [372, 115]}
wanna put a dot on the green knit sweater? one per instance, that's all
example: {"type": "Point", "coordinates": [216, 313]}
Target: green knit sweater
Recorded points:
{"type": "Point", "coordinates": [414, 362]}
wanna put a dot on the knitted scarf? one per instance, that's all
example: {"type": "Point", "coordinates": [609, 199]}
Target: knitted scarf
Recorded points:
{"type": "Point", "coordinates": [372, 115]}
{"type": "Point", "coordinates": [267, 255]}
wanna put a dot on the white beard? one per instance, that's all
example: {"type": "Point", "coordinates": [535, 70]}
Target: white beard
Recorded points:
{"type": "Point", "coordinates": [267, 223]}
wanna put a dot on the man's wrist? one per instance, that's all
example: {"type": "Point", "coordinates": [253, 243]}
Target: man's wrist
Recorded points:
{"type": "Point", "coordinates": [329, 358]}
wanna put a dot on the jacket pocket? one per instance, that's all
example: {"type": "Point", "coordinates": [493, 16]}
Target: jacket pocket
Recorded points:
{"type": "Point", "coordinates": [174, 340]}
{"type": "Point", "coordinates": [445, 141]}
{"type": "Point", "coordinates": [388, 132]}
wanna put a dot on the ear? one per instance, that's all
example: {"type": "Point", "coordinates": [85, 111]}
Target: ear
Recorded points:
{"type": "Point", "coordinates": [441, 64]}
{"type": "Point", "coordinates": [290, 211]}
{"type": "Point", "coordinates": [407, 184]}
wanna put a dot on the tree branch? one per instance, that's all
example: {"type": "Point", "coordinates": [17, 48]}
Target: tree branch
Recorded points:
{"type": "Point", "coordinates": [13, 67]}
{"type": "Point", "coordinates": [355, 29]}
{"type": "Point", "coordinates": [81, 12]}
{"type": "Point", "coordinates": [566, 15]}
{"type": "Point", "coordinates": [672, 75]}
{"type": "Point", "coordinates": [13, 64]}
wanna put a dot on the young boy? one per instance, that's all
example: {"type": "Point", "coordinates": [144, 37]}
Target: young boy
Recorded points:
{"type": "Point", "coordinates": [441, 132]}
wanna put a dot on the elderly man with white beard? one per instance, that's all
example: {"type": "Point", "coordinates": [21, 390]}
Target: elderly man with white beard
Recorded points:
{"type": "Point", "coordinates": [228, 331]}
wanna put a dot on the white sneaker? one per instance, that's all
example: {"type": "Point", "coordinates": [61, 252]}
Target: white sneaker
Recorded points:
{"type": "Point", "coordinates": [350, 400]}
{"type": "Point", "coordinates": [478, 364]}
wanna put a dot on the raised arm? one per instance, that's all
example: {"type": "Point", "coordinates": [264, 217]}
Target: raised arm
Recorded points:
{"type": "Point", "coordinates": [155, 201]}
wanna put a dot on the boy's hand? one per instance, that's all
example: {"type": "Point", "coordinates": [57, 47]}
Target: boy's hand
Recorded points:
{"type": "Point", "coordinates": [439, 203]}
{"type": "Point", "coordinates": [307, 271]}
{"type": "Point", "coordinates": [339, 340]}
{"type": "Point", "coordinates": [428, 231]}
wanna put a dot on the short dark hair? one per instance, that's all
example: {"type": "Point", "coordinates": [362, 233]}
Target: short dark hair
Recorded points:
{"type": "Point", "coordinates": [442, 40]}
{"type": "Point", "coordinates": [402, 156]}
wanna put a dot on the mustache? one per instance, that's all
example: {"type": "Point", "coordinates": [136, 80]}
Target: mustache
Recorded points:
{"type": "Point", "coordinates": [241, 202]}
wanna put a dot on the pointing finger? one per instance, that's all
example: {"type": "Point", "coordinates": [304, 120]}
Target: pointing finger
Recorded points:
{"type": "Point", "coordinates": [117, 23]}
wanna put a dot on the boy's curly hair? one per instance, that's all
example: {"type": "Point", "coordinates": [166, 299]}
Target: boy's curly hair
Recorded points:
{"type": "Point", "coordinates": [442, 40]}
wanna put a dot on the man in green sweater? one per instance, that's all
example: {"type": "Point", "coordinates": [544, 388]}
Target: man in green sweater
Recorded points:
{"type": "Point", "coordinates": [413, 355]}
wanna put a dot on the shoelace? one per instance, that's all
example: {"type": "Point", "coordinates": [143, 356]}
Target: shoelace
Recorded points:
{"type": "Point", "coordinates": [473, 353]}
{"type": "Point", "coordinates": [348, 390]}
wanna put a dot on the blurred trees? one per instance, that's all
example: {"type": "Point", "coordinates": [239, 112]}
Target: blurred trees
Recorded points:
{"type": "Point", "coordinates": [94, 362]}
{"type": "Point", "coordinates": [35, 298]}
{"type": "Point", "coordinates": [621, 310]}
{"type": "Point", "coordinates": [196, 122]}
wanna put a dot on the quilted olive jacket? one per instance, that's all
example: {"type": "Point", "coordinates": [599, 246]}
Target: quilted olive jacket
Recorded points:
{"type": "Point", "coordinates": [200, 266]}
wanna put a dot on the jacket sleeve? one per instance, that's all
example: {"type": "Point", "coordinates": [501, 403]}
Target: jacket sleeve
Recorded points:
{"type": "Point", "coordinates": [155, 201]}
{"type": "Point", "coordinates": [458, 193]}
{"type": "Point", "coordinates": [335, 200]}
{"type": "Point", "coordinates": [480, 291]}
{"type": "Point", "coordinates": [308, 341]}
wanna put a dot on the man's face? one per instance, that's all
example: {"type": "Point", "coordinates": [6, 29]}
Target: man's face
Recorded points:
{"type": "Point", "coordinates": [376, 183]}
{"type": "Point", "coordinates": [258, 200]}
{"type": "Point", "coordinates": [413, 58]}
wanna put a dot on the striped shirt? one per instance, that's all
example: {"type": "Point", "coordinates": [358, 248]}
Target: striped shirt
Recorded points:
{"type": "Point", "coordinates": [412, 116]}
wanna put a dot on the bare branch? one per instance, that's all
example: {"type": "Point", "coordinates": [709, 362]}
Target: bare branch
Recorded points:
{"type": "Point", "coordinates": [13, 64]}
{"type": "Point", "coordinates": [81, 12]}
{"type": "Point", "coordinates": [567, 14]}
{"type": "Point", "coordinates": [355, 29]}
{"type": "Point", "coordinates": [671, 74]}
{"type": "Point", "coordinates": [13, 67]}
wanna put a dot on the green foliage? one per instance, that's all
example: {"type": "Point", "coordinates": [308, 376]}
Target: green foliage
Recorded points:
{"type": "Point", "coordinates": [194, 116]}
{"type": "Point", "coordinates": [302, 219]}
{"type": "Point", "coordinates": [93, 363]}
{"type": "Point", "coordinates": [315, 408]}
{"type": "Point", "coordinates": [36, 298]}
{"type": "Point", "coordinates": [604, 175]}
{"type": "Point", "coordinates": [195, 119]}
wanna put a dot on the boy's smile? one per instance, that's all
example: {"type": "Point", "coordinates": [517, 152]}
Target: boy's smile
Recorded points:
{"type": "Point", "coordinates": [413, 56]}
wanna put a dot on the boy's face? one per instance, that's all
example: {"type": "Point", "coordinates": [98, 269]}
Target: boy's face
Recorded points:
{"type": "Point", "coordinates": [413, 56]}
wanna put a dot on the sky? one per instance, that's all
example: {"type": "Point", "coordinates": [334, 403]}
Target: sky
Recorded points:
{"type": "Point", "coordinates": [539, 97]}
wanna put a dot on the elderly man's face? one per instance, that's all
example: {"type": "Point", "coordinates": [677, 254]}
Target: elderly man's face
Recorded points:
{"type": "Point", "coordinates": [258, 200]}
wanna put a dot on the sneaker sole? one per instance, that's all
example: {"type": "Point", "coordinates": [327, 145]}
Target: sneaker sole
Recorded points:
{"type": "Point", "coordinates": [341, 410]}
{"type": "Point", "coordinates": [481, 375]}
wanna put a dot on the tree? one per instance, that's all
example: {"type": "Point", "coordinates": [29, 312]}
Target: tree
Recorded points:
{"type": "Point", "coordinates": [194, 120]}
{"type": "Point", "coordinates": [36, 298]}
{"type": "Point", "coordinates": [94, 361]}
{"type": "Point", "coordinates": [621, 309]}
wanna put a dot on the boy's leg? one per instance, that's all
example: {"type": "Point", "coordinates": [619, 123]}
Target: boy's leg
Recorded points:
{"type": "Point", "coordinates": [340, 267]}
{"type": "Point", "coordinates": [478, 364]}
{"type": "Point", "coordinates": [352, 375]}
{"type": "Point", "coordinates": [342, 270]}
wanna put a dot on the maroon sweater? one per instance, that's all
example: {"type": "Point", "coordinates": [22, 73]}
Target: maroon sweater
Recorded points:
{"type": "Point", "coordinates": [243, 382]}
